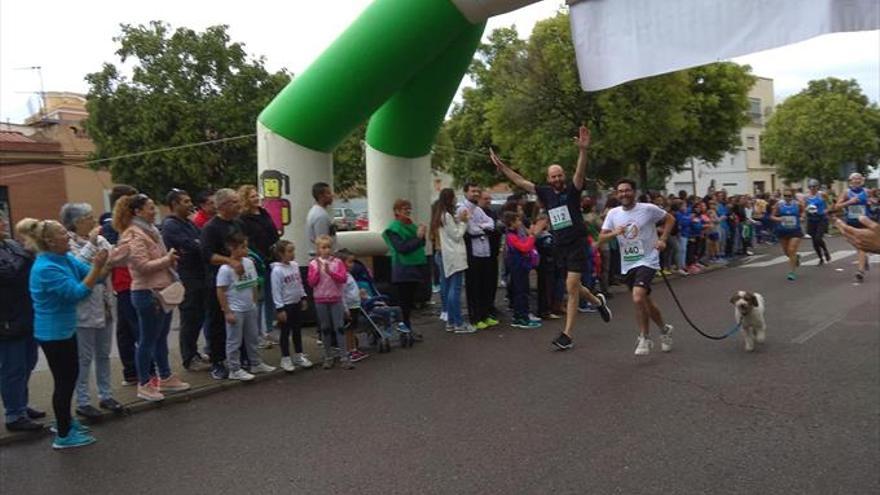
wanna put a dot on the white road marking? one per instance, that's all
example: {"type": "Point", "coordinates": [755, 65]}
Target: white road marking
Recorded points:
{"type": "Point", "coordinates": [835, 256]}
{"type": "Point", "coordinates": [809, 334]}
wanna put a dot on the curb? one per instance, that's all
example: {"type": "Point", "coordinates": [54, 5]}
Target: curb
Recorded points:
{"type": "Point", "coordinates": [140, 406]}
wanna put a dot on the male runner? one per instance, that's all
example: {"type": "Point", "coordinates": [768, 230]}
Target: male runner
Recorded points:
{"type": "Point", "coordinates": [634, 225]}
{"type": "Point", "coordinates": [562, 200]}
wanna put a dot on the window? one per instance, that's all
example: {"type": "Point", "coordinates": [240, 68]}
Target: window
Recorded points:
{"type": "Point", "coordinates": [758, 187]}
{"type": "Point", "coordinates": [755, 110]}
{"type": "Point", "coordinates": [750, 142]}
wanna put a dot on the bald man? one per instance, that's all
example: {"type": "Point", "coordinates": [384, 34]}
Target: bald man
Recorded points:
{"type": "Point", "coordinates": [562, 200]}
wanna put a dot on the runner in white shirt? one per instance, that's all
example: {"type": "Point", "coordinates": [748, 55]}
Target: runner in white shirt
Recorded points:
{"type": "Point", "coordinates": [634, 225]}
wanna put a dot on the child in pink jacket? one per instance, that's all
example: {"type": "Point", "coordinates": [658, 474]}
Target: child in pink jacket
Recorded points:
{"type": "Point", "coordinates": [327, 276]}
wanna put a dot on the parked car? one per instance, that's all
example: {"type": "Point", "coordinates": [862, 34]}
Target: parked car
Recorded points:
{"type": "Point", "coordinates": [344, 219]}
{"type": "Point", "coordinates": [362, 222]}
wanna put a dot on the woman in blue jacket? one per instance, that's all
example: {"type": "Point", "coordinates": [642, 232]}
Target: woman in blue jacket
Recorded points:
{"type": "Point", "coordinates": [59, 281]}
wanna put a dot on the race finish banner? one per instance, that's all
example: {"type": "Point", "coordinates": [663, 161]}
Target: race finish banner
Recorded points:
{"type": "Point", "coordinates": [621, 40]}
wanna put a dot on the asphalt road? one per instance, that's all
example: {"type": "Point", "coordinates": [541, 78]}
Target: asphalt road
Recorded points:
{"type": "Point", "coordinates": [499, 412]}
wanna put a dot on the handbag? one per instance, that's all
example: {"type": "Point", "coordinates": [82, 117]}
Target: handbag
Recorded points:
{"type": "Point", "coordinates": [170, 297]}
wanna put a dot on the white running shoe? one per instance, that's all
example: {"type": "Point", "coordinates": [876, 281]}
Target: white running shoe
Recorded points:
{"type": "Point", "coordinates": [241, 375]}
{"type": "Point", "coordinates": [644, 346]}
{"type": "Point", "coordinates": [287, 364]}
{"type": "Point", "coordinates": [532, 317]}
{"type": "Point", "coordinates": [262, 368]}
{"type": "Point", "coordinates": [302, 361]}
{"type": "Point", "coordinates": [444, 316]}
{"type": "Point", "coordinates": [666, 338]}
{"type": "Point", "coordinates": [466, 328]}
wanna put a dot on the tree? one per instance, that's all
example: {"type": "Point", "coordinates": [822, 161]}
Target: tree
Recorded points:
{"type": "Point", "coordinates": [819, 130]}
{"type": "Point", "coordinates": [185, 87]}
{"type": "Point", "coordinates": [528, 102]}
{"type": "Point", "coordinates": [349, 165]}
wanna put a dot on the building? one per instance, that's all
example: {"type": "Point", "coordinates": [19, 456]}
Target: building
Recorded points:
{"type": "Point", "coordinates": [41, 162]}
{"type": "Point", "coordinates": [740, 172]}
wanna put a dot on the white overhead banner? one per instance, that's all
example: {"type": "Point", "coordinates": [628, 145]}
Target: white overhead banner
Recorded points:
{"type": "Point", "coordinates": [620, 40]}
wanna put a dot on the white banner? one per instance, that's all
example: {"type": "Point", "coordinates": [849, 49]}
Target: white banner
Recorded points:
{"type": "Point", "coordinates": [621, 40]}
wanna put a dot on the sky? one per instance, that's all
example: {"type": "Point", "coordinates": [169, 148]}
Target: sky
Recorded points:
{"type": "Point", "coordinates": [70, 39]}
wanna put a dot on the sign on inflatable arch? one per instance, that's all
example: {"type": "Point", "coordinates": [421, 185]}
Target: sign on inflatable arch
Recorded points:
{"type": "Point", "coordinates": [400, 63]}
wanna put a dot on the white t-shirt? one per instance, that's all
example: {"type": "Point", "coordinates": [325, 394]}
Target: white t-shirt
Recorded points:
{"type": "Point", "coordinates": [239, 289]}
{"type": "Point", "coordinates": [637, 243]}
{"type": "Point", "coordinates": [351, 294]}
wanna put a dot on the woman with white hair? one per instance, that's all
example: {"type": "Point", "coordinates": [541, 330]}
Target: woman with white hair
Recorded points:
{"type": "Point", "coordinates": [94, 326]}
{"type": "Point", "coordinates": [854, 204]}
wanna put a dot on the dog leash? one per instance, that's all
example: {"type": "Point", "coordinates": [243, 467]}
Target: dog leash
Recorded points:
{"type": "Point", "coordinates": [695, 327]}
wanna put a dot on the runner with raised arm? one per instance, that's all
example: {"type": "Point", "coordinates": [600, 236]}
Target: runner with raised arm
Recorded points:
{"type": "Point", "coordinates": [562, 200]}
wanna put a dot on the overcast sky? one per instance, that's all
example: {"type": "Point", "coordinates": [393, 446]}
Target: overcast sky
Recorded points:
{"type": "Point", "coordinates": [70, 39]}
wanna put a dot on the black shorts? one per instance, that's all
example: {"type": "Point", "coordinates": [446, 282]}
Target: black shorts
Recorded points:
{"type": "Point", "coordinates": [572, 256]}
{"type": "Point", "coordinates": [640, 276]}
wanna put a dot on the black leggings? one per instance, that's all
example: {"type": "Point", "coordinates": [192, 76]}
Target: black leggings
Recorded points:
{"type": "Point", "coordinates": [406, 296]}
{"type": "Point", "coordinates": [64, 363]}
{"type": "Point", "coordinates": [817, 232]}
{"type": "Point", "coordinates": [291, 328]}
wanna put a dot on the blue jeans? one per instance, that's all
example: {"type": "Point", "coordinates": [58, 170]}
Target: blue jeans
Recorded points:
{"type": "Point", "coordinates": [453, 298]}
{"type": "Point", "coordinates": [17, 359]}
{"type": "Point", "coordinates": [93, 345]}
{"type": "Point", "coordinates": [438, 261]}
{"type": "Point", "coordinates": [153, 327]}
{"type": "Point", "coordinates": [682, 252]}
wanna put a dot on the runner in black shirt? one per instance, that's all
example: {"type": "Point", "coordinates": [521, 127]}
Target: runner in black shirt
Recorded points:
{"type": "Point", "coordinates": [562, 200]}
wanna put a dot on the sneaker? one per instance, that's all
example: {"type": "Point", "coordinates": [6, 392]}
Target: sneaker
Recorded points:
{"type": "Point", "coordinates": [481, 325]}
{"type": "Point", "coordinates": [262, 368]}
{"type": "Point", "coordinates": [520, 323]}
{"type": "Point", "coordinates": [534, 318]}
{"type": "Point", "coordinates": [241, 375]}
{"type": "Point", "coordinates": [821, 261]}
{"type": "Point", "coordinates": [74, 438]}
{"type": "Point", "coordinates": [149, 393]}
{"type": "Point", "coordinates": [287, 364]}
{"type": "Point", "coordinates": [75, 424]}
{"type": "Point", "coordinates": [219, 372]}
{"type": "Point", "coordinates": [197, 364]}
{"type": "Point", "coordinates": [346, 364]}
{"type": "Point", "coordinates": [860, 276]}
{"type": "Point", "coordinates": [828, 257]}
{"type": "Point", "coordinates": [490, 321]}
{"type": "Point", "coordinates": [644, 345]}
{"type": "Point", "coordinates": [154, 382]}
{"type": "Point", "coordinates": [586, 308]}
{"type": "Point", "coordinates": [173, 384]}
{"type": "Point", "coordinates": [444, 316]}
{"type": "Point", "coordinates": [111, 405]}
{"type": "Point", "coordinates": [791, 276]}
{"type": "Point", "coordinates": [129, 383]}
{"type": "Point", "coordinates": [89, 411]}
{"type": "Point", "coordinates": [24, 424]}
{"type": "Point", "coordinates": [466, 328]}
{"type": "Point", "coordinates": [666, 338]}
{"type": "Point", "coordinates": [563, 342]}
{"type": "Point", "coordinates": [683, 272]}
{"type": "Point", "coordinates": [604, 310]}
{"type": "Point", "coordinates": [328, 363]}
{"type": "Point", "coordinates": [435, 289]}
{"type": "Point", "coordinates": [357, 355]}
{"type": "Point", "coordinates": [532, 324]}
{"type": "Point", "coordinates": [552, 316]}
{"type": "Point", "coordinates": [450, 328]}
{"type": "Point", "coordinates": [302, 361]}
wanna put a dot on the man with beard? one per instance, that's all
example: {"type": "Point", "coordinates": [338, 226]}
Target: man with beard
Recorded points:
{"type": "Point", "coordinates": [634, 226]}
{"type": "Point", "coordinates": [562, 200]}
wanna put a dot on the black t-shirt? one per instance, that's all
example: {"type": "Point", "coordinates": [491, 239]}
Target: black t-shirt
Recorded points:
{"type": "Point", "coordinates": [261, 232]}
{"type": "Point", "coordinates": [564, 209]}
{"type": "Point", "coordinates": [214, 236]}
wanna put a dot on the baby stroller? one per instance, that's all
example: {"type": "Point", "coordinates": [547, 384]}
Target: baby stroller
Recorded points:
{"type": "Point", "coordinates": [377, 306]}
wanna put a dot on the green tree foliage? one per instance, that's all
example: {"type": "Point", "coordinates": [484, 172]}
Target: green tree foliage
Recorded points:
{"type": "Point", "coordinates": [349, 166]}
{"type": "Point", "coordinates": [185, 87]}
{"type": "Point", "coordinates": [528, 102]}
{"type": "Point", "coordinates": [819, 130]}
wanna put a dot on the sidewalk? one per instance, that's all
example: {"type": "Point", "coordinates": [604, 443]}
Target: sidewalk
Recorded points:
{"type": "Point", "coordinates": [202, 384]}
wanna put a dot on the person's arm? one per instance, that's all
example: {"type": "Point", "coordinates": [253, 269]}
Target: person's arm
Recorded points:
{"type": "Point", "coordinates": [404, 246]}
{"type": "Point", "coordinates": [314, 275]}
{"type": "Point", "coordinates": [70, 289]}
{"type": "Point", "coordinates": [609, 230]}
{"type": "Point", "coordinates": [338, 272]}
{"type": "Point", "coordinates": [667, 228]}
{"type": "Point", "coordinates": [867, 239]}
{"type": "Point", "coordinates": [524, 246]}
{"type": "Point", "coordinates": [277, 278]}
{"type": "Point", "coordinates": [583, 143]}
{"type": "Point", "coordinates": [774, 215]}
{"type": "Point", "coordinates": [508, 172]}
{"type": "Point", "coordinates": [223, 283]}
{"type": "Point", "coordinates": [140, 260]}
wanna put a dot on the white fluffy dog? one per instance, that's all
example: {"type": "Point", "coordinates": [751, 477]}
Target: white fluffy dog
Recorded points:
{"type": "Point", "coordinates": [749, 310]}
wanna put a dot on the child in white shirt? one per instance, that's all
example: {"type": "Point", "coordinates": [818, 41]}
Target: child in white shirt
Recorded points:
{"type": "Point", "coordinates": [288, 295]}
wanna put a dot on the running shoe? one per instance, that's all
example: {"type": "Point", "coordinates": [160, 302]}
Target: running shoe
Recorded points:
{"type": "Point", "coordinates": [302, 361]}
{"type": "Point", "coordinates": [241, 375]}
{"type": "Point", "coordinates": [860, 276]}
{"type": "Point", "coordinates": [534, 318]}
{"type": "Point", "coordinates": [466, 328]}
{"type": "Point", "coordinates": [149, 393]}
{"type": "Point", "coordinates": [791, 276]}
{"type": "Point", "coordinates": [520, 323]}
{"type": "Point", "coordinates": [563, 342]}
{"type": "Point", "coordinates": [444, 316]}
{"type": "Point", "coordinates": [604, 310]}
{"type": "Point", "coordinates": [481, 325]}
{"type": "Point", "coordinates": [173, 384]}
{"type": "Point", "coordinates": [586, 308]}
{"type": "Point", "coordinates": [643, 346]}
{"type": "Point", "coordinates": [357, 355]}
{"type": "Point", "coordinates": [262, 368]}
{"type": "Point", "coordinates": [287, 364]}
{"type": "Point", "coordinates": [219, 372]}
{"type": "Point", "coordinates": [74, 438]}
{"type": "Point", "coordinates": [75, 424]}
{"type": "Point", "coordinates": [490, 321]}
{"type": "Point", "coordinates": [666, 338]}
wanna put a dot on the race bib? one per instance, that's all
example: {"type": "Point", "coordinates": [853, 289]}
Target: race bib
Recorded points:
{"type": "Point", "coordinates": [853, 212]}
{"type": "Point", "coordinates": [632, 250]}
{"type": "Point", "coordinates": [560, 218]}
{"type": "Point", "coordinates": [789, 222]}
